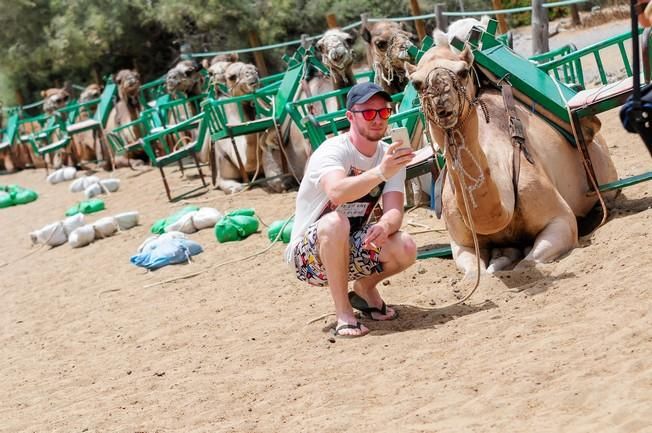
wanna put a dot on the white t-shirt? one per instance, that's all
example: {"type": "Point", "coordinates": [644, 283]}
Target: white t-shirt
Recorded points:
{"type": "Point", "coordinates": [336, 153]}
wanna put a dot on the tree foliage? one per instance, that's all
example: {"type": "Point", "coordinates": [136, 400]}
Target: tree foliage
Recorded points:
{"type": "Point", "coordinates": [46, 42]}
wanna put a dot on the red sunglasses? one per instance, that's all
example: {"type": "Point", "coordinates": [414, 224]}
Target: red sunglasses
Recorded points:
{"type": "Point", "coordinates": [370, 114]}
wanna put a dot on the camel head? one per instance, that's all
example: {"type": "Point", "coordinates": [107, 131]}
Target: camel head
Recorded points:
{"type": "Point", "coordinates": [445, 84]}
{"type": "Point", "coordinates": [217, 68]}
{"type": "Point", "coordinates": [54, 99]}
{"type": "Point", "coordinates": [241, 78]}
{"type": "Point", "coordinates": [92, 91]}
{"type": "Point", "coordinates": [185, 77]}
{"type": "Point", "coordinates": [388, 44]}
{"type": "Point", "coordinates": [128, 82]}
{"type": "Point", "coordinates": [337, 54]}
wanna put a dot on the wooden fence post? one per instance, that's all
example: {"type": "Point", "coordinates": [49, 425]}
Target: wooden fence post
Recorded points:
{"type": "Point", "coordinates": [539, 27]}
{"type": "Point", "coordinates": [442, 20]}
{"type": "Point", "coordinates": [418, 24]}
{"type": "Point", "coordinates": [331, 21]}
{"type": "Point", "coordinates": [363, 24]}
{"type": "Point", "coordinates": [502, 22]}
{"type": "Point", "coordinates": [575, 14]}
{"type": "Point", "coordinates": [258, 55]}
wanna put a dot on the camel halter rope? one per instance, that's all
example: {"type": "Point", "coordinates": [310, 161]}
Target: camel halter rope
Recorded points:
{"type": "Point", "coordinates": [455, 146]}
{"type": "Point", "coordinates": [384, 69]}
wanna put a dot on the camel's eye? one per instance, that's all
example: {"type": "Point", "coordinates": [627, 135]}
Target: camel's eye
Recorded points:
{"type": "Point", "coordinates": [418, 84]}
{"type": "Point", "coordinates": [232, 77]}
{"type": "Point", "coordinates": [463, 74]}
{"type": "Point", "coordinates": [381, 45]}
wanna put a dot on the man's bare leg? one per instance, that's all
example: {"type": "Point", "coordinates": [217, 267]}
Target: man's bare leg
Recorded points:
{"type": "Point", "coordinates": [333, 237]}
{"type": "Point", "coordinates": [396, 255]}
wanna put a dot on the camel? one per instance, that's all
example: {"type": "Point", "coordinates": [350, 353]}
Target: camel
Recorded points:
{"type": "Point", "coordinates": [185, 78]}
{"type": "Point", "coordinates": [336, 51]}
{"type": "Point", "coordinates": [126, 109]}
{"type": "Point", "coordinates": [217, 69]}
{"type": "Point", "coordinates": [387, 45]}
{"type": "Point", "coordinates": [540, 216]}
{"type": "Point", "coordinates": [84, 142]}
{"type": "Point", "coordinates": [241, 79]}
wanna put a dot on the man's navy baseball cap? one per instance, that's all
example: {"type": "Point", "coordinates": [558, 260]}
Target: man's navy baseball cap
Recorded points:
{"type": "Point", "coordinates": [361, 93]}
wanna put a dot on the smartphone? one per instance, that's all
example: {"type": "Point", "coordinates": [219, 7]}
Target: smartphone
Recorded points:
{"type": "Point", "coordinates": [401, 133]}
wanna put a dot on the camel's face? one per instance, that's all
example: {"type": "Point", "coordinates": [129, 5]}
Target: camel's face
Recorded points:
{"type": "Point", "coordinates": [54, 99]}
{"type": "Point", "coordinates": [335, 48]}
{"type": "Point", "coordinates": [92, 91]}
{"type": "Point", "coordinates": [241, 78]}
{"type": "Point", "coordinates": [443, 80]}
{"type": "Point", "coordinates": [389, 43]}
{"type": "Point", "coordinates": [128, 82]}
{"type": "Point", "coordinates": [184, 77]}
{"type": "Point", "coordinates": [217, 68]}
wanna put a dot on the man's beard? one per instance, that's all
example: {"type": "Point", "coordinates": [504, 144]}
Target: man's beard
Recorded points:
{"type": "Point", "coordinates": [373, 135]}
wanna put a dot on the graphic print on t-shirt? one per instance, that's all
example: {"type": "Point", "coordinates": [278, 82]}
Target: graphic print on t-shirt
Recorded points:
{"type": "Point", "coordinates": [358, 211]}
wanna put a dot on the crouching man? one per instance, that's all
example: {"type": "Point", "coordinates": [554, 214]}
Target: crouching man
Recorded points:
{"type": "Point", "coordinates": [335, 237]}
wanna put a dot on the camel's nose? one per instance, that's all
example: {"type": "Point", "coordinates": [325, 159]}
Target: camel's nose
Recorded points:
{"type": "Point", "coordinates": [337, 54]}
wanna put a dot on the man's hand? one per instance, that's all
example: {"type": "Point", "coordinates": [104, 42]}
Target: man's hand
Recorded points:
{"type": "Point", "coordinates": [376, 235]}
{"type": "Point", "coordinates": [395, 158]}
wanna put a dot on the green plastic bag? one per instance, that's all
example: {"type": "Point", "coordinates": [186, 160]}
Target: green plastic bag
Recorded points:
{"type": "Point", "coordinates": [86, 207]}
{"type": "Point", "coordinates": [244, 211]}
{"type": "Point", "coordinates": [235, 227]}
{"type": "Point", "coordinates": [275, 227]}
{"type": "Point", "coordinates": [14, 194]}
{"type": "Point", "coordinates": [5, 200]}
{"type": "Point", "coordinates": [159, 226]}
{"type": "Point", "coordinates": [24, 196]}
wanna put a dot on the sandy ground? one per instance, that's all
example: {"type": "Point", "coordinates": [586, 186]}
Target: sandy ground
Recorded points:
{"type": "Point", "coordinates": [87, 347]}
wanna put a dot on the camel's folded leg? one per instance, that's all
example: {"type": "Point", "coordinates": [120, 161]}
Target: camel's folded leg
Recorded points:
{"type": "Point", "coordinates": [502, 258]}
{"type": "Point", "coordinates": [466, 261]}
{"type": "Point", "coordinates": [558, 237]}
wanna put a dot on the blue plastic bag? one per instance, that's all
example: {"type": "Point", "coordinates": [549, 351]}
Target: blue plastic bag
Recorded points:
{"type": "Point", "coordinates": [165, 251]}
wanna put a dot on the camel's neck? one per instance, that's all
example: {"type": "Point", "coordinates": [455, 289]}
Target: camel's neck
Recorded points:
{"type": "Point", "coordinates": [468, 164]}
{"type": "Point", "coordinates": [342, 79]}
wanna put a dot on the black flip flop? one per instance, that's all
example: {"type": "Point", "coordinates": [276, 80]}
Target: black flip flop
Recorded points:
{"type": "Point", "coordinates": [358, 325]}
{"type": "Point", "coordinates": [361, 305]}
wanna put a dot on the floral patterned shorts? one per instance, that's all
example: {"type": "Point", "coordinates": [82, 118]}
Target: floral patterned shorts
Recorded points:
{"type": "Point", "coordinates": [309, 268]}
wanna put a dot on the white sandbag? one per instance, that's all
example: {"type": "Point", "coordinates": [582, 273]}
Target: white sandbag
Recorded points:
{"type": "Point", "coordinates": [52, 234]}
{"type": "Point", "coordinates": [105, 227]}
{"type": "Point", "coordinates": [110, 185]}
{"type": "Point", "coordinates": [69, 173]}
{"type": "Point", "coordinates": [206, 217]}
{"type": "Point", "coordinates": [126, 220]}
{"type": "Point", "coordinates": [183, 224]}
{"type": "Point", "coordinates": [93, 190]}
{"type": "Point", "coordinates": [83, 182]}
{"type": "Point", "coordinates": [56, 176]}
{"type": "Point", "coordinates": [72, 222]}
{"type": "Point", "coordinates": [168, 235]}
{"type": "Point", "coordinates": [82, 236]}
{"type": "Point", "coordinates": [173, 235]}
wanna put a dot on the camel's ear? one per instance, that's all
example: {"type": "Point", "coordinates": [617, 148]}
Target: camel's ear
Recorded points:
{"type": "Point", "coordinates": [319, 46]}
{"type": "Point", "coordinates": [409, 69]}
{"type": "Point", "coordinates": [366, 34]}
{"type": "Point", "coordinates": [441, 39]}
{"type": "Point", "coordinates": [467, 55]}
{"type": "Point", "coordinates": [204, 63]}
{"type": "Point", "coordinates": [43, 93]}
